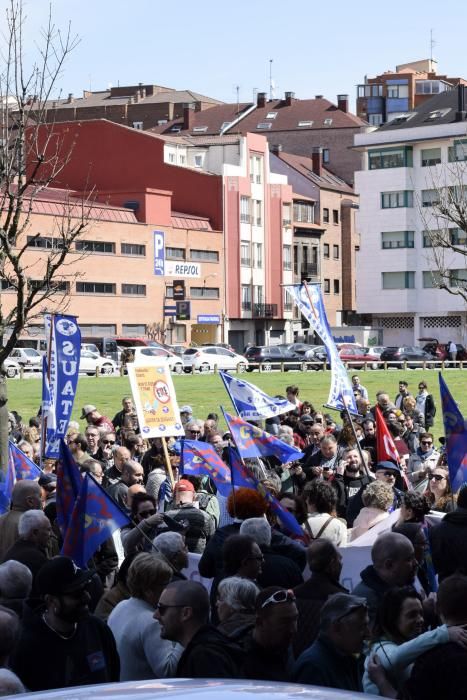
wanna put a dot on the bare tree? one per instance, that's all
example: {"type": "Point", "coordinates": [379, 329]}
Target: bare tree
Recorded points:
{"type": "Point", "coordinates": [31, 157]}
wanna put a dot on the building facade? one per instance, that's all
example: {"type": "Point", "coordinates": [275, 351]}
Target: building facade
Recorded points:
{"type": "Point", "coordinates": [408, 165]}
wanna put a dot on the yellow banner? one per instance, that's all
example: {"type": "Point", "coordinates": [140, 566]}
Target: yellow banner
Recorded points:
{"type": "Point", "coordinates": [155, 400]}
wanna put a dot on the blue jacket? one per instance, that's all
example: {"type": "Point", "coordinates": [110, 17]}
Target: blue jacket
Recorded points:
{"type": "Point", "coordinates": [323, 664]}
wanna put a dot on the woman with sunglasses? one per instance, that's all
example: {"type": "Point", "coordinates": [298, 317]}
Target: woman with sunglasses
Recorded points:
{"type": "Point", "coordinates": [439, 493]}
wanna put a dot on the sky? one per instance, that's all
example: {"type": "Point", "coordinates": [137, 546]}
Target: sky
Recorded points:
{"type": "Point", "coordinates": [212, 47]}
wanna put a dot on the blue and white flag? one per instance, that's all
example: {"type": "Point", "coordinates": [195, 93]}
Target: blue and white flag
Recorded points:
{"type": "Point", "coordinates": [310, 302]}
{"type": "Point", "coordinates": [250, 402]}
{"type": "Point", "coordinates": [59, 378]}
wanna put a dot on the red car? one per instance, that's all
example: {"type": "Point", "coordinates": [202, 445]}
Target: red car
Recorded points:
{"type": "Point", "coordinates": [356, 356]}
{"type": "Point", "coordinates": [440, 350]}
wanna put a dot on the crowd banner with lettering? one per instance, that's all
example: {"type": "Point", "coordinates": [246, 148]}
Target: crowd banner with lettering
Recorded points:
{"type": "Point", "coordinates": [252, 403]}
{"type": "Point", "coordinates": [59, 379]}
{"type": "Point", "coordinates": [155, 400]}
{"type": "Point", "coordinates": [309, 300]}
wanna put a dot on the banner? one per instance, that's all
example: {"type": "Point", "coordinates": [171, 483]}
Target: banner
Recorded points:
{"type": "Point", "coordinates": [201, 458]}
{"type": "Point", "coordinates": [251, 441]}
{"type": "Point", "coordinates": [456, 438]}
{"type": "Point", "coordinates": [252, 403]}
{"type": "Point", "coordinates": [311, 306]}
{"type": "Point", "coordinates": [24, 467]}
{"type": "Point", "coordinates": [386, 449]}
{"type": "Point", "coordinates": [59, 378]}
{"type": "Point", "coordinates": [155, 400]}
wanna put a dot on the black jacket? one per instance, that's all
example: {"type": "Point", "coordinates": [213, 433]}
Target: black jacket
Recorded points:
{"type": "Point", "coordinates": [29, 554]}
{"type": "Point", "coordinates": [322, 664]}
{"type": "Point", "coordinates": [278, 570]}
{"type": "Point", "coordinates": [210, 654]}
{"type": "Point", "coordinates": [371, 587]}
{"type": "Point", "coordinates": [439, 673]}
{"type": "Point", "coordinates": [266, 664]}
{"type": "Point", "coordinates": [449, 543]}
{"type": "Point", "coordinates": [347, 487]}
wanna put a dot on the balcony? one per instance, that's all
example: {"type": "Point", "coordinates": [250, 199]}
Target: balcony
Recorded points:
{"type": "Point", "coordinates": [246, 305]}
{"type": "Point", "coordinates": [309, 270]}
{"type": "Point", "coordinates": [264, 310]}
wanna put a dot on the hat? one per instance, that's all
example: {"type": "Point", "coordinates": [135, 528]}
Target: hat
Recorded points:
{"type": "Point", "coordinates": [387, 465]}
{"type": "Point", "coordinates": [338, 606]}
{"type": "Point", "coordinates": [306, 419]}
{"type": "Point", "coordinates": [184, 486]}
{"type": "Point", "coordinates": [60, 575]}
{"type": "Point", "coordinates": [186, 409]}
{"type": "Point", "coordinates": [47, 479]}
{"type": "Point", "coordinates": [89, 408]}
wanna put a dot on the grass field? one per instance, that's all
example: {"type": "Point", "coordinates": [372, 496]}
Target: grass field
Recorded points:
{"type": "Point", "coordinates": [205, 393]}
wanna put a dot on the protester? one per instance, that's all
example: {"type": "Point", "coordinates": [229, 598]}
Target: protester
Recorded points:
{"type": "Point", "coordinates": [378, 499]}
{"type": "Point", "coordinates": [424, 460]}
{"type": "Point", "coordinates": [15, 585]}
{"type": "Point", "coordinates": [137, 536]}
{"type": "Point", "coordinates": [172, 547]}
{"type": "Point", "coordinates": [349, 478]}
{"type": "Point", "coordinates": [26, 495]}
{"type": "Point", "coordinates": [201, 526]}
{"type": "Point", "coordinates": [439, 494]}
{"type": "Point", "coordinates": [426, 404]}
{"type": "Point", "coordinates": [276, 569]}
{"type": "Point", "coordinates": [321, 501]}
{"type": "Point", "coordinates": [132, 474]}
{"type": "Point", "coordinates": [9, 634]}
{"type": "Point", "coordinates": [30, 549]}
{"type": "Point", "coordinates": [449, 540]}
{"type": "Point", "coordinates": [414, 507]}
{"type": "Point", "coordinates": [93, 417]}
{"type": "Point", "coordinates": [235, 606]}
{"type": "Point", "coordinates": [119, 591]}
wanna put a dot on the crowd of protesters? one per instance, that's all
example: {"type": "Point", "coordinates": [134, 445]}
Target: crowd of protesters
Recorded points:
{"type": "Point", "coordinates": [275, 609]}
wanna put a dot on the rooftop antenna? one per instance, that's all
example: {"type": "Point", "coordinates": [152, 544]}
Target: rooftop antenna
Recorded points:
{"type": "Point", "coordinates": [255, 92]}
{"type": "Point", "coordinates": [272, 87]}
{"type": "Point", "coordinates": [432, 44]}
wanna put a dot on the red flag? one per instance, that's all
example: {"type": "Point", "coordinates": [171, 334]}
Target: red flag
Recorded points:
{"type": "Point", "coordinates": [386, 449]}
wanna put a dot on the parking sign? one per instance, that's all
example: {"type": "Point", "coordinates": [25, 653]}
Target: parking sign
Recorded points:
{"type": "Point", "coordinates": [159, 253]}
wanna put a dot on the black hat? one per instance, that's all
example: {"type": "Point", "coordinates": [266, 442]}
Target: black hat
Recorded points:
{"type": "Point", "coordinates": [60, 575]}
{"type": "Point", "coordinates": [47, 479]}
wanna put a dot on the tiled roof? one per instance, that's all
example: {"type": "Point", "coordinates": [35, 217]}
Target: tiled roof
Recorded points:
{"type": "Point", "coordinates": [326, 180]}
{"type": "Point", "coordinates": [440, 109]}
{"type": "Point", "coordinates": [99, 99]}
{"type": "Point", "coordinates": [57, 202]}
{"type": "Point", "coordinates": [213, 118]}
{"type": "Point", "coordinates": [189, 221]}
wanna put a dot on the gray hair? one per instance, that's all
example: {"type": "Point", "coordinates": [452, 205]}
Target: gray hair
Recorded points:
{"type": "Point", "coordinates": [259, 529]}
{"type": "Point", "coordinates": [31, 520]}
{"type": "Point", "coordinates": [287, 438]}
{"type": "Point", "coordinates": [239, 593]}
{"type": "Point", "coordinates": [169, 544]}
{"type": "Point", "coordinates": [10, 684]}
{"type": "Point", "coordinates": [15, 580]}
{"type": "Point", "coordinates": [195, 422]}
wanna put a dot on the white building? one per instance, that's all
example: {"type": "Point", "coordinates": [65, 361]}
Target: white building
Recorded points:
{"type": "Point", "coordinates": [405, 164]}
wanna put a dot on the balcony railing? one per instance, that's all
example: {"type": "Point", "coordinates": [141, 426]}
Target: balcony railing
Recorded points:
{"type": "Point", "coordinates": [264, 310]}
{"type": "Point", "coordinates": [309, 270]}
{"type": "Point", "coordinates": [246, 305]}
{"type": "Point", "coordinates": [245, 262]}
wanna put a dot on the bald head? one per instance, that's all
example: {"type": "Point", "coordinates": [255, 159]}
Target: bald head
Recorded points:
{"type": "Point", "coordinates": [121, 455]}
{"type": "Point", "coordinates": [190, 594]}
{"type": "Point", "coordinates": [132, 473]}
{"type": "Point", "coordinates": [132, 490]}
{"type": "Point", "coordinates": [394, 560]}
{"type": "Point", "coordinates": [320, 553]}
{"type": "Point", "coordinates": [26, 495]}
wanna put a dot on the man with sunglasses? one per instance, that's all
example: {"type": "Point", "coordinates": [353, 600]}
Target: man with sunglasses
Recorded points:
{"type": "Point", "coordinates": [144, 514]}
{"type": "Point", "coordinates": [424, 460]}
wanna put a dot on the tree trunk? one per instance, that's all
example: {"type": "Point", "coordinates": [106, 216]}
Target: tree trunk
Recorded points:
{"type": "Point", "coordinates": [3, 427]}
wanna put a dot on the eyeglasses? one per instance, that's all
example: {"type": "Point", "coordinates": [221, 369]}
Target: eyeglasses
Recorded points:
{"type": "Point", "coordinates": [283, 596]}
{"type": "Point", "coordinates": [147, 513]}
{"type": "Point", "coordinates": [195, 432]}
{"type": "Point", "coordinates": [163, 608]}
{"type": "Point", "coordinates": [108, 442]}
{"type": "Point", "coordinates": [426, 442]}
{"type": "Point", "coordinates": [437, 477]}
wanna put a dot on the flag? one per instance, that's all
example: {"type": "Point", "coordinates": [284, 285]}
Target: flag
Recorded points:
{"type": "Point", "coordinates": [254, 442]}
{"type": "Point", "coordinates": [386, 449]}
{"type": "Point", "coordinates": [24, 467]}
{"type": "Point", "coordinates": [69, 482]}
{"type": "Point", "coordinates": [201, 458]}
{"type": "Point", "coordinates": [456, 437]}
{"type": "Point", "coordinates": [241, 476]}
{"type": "Point", "coordinates": [6, 486]}
{"type": "Point", "coordinates": [428, 560]}
{"type": "Point", "coordinates": [94, 518]}
{"type": "Point", "coordinates": [310, 302]}
{"type": "Point", "coordinates": [252, 403]}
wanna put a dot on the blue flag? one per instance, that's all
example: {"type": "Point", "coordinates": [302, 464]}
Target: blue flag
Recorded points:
{"type": "Point", "coordinates": [252, 403]}
{"type": "Point", "coordinates": [201, 458]}
{"type": "Point", "coordinates": [239, 474]}
{"type": "Point", "coordinates": [456, 438]}
{"type": "Point", "coordinates": [24, 467]}
{"type": "Point", "coordinates": [310, 302]}
{"type": "Point", "coordinates": [6, 486]}
{"type": "Point", "coordinates": [95, 517]}
{"type": "Point", "coordinates": [254, 442]}
{"type": "Point", "coordinates": [69, 481]}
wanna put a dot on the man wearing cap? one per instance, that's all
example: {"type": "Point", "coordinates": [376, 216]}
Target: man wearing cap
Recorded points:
{"type": "Point", "coordinates": [335, 658]}
{"type": "Point", "coordinates": [93, 417]}
{"type": "Point", "coordinates": [186, 414]}
{"type": "Point", "coordinates": [201, 524]}
{"type": "Point", "coordinates": [61, 644]}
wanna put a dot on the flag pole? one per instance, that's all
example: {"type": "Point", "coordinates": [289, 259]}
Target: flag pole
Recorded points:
{"type": "Point", "coordinates": [232, 486]}
{"type": "Point", "coordinates": [44, 418]}
{"type": "Point", "coordinates": [349, 418]}
{"type": "Point", "coordinates": [167, 460]}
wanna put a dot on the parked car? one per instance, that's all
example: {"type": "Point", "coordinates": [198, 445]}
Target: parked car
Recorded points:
{"type": "Point", "coordinates": [440, 350]}
{"type": "Point", "coordinates": [375, 352]}
{"type": "Point", "coordinates": [146, 353]}
{"type": "Point", "coordinates": [227, 346]}
{"type": "Point", "coordinates": [413, 355]}
{"type": "Point", "coordinates": [11, 368]}
{"type": "Point", "coordinates": [355, 356]}
{"type": "Point", "coordinates": [90, 347]}
{"type": "Point", "coordinates": [28, 358]}
{"type": "Point", "coordinates": [317, 353]}
{"type": "Point", "coordinates": [271, 356]}
{"type": "Point", "coordinates": [207, 357]}
{"type": "Point", "coordinates": [89, 362]}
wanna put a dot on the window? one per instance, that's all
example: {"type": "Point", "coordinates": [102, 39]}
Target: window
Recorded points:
{"type": "Point", "coordinates": [375, 119]}
{"type": "Point", "coordinates": [305, 123]}
{"type": "Point", "coordinates": [245, 258]}
{"type": "Point", "coordinates": [326, 216]}
{"type": "Point", "coordinates": [171, 157]}
{"type": "Point", "coordinates": [337, 287]}
{"type": "Point", "coordinates": [286, 214]}
{"type": "Point", "coordinates": [458, 152]}
{"type": "Point", "coordinates": [430, 87]}
{"type": "Point", "coordinates": [258, 295]}
{"type": "Point", "coordinates": [458, 236]}
{"type": "Point", "coordinates": [327, 286]}
{"type": "Point", "coordinates": [430, 198]}
{"type": "Point", "coordinates": [390, 158]}
{"type": "Point", "coordinates": [256, 165]}
{"type": "Point", "coordinates": [327, 121]}
{"type": "Point", "coordinates": [95, 246]}
{"type": "Point", "coordinates": [288, 302]}
{"type": "Point", "coordinates": [370, 90]}
{"type": "Point", "coordinates": [44, 242]}
{"type": "Point", "coordinates": [458, 278]}
{"type": "Point", "coordinates": [199, 161]}
{"type": "Point", "coordinates": [96, 288]}
{"type": "Point", "coordinates": [179, 333]}
{"type": "Point", "coordinates": [398, 280]}
{"type": "Point", "coordinates": [245, 216]}
{"type": "Point", "coordinates": [397, 239]}
{"type": "Point", "coordinates": [335, 252]}
{"type": "Point", "coordinates": [325, 155]}
{"type": "Point", "coordinates": [207, 255]}
{"type": "Point", "coordinates": [303, 212]}
{"type": "Point", "coordinates": [246, 297]}
{"type": "Point", "coordinates": [169, 292]}
{"type": "Point", "coordinates": [58, 286]}
{"type": "Point", "coordinates": [138, 125]}
{"type": "Point", "coordinates": [271, 115]}
{"type": "Point", "coordinates": [5, 285]}
{"type": "Point", "coordinates": [287, 257]}
{"type": "Point", "coordinates": [175, 253]}
{"type": "Point", "coordinates": [431, 156]}
{"type": "Point", "coordinates": [199, 129]}
{"type": "Point", "coordinates": [136, 289]}
{"type": "Point", "coordinates": [204, 292]}
{"type": "Point", "coordinates": [258, 254]}
{"type": "Point", "coordinates": [393, 200]}
{"type": "Point", "coordinates": [257, 209]}
{"type": "Point", "coordinates": [335, 216]}
{"type": "Point", "coordinates": [431, 279]}
{"type": "Point", "coordinates": [397, 91]}
{"type": "Point", "coordinates": [263, 126]}
{"type": "Point", "coordinates": [326, 250]}
{"type": "Point", "coordinates": [182, 159]}
{"type": "Point", "coordinates": [133, 249]}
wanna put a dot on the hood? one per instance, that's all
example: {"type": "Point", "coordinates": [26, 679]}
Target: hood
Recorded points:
{"type": "Point", "coordinates": [371, 579]}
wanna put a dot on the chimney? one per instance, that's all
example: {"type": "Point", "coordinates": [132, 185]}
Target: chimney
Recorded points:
{"type": "Point", "coordinates": [70, 99]}
{"type": "Point", "coordinates": [317, 160]}
{"type": "Point", "coordinates": [261, 99]}
{"type": "Point", "coordinates": [276, 148]}
{"type": "Point", "coordinates": [461, 113]}
{"type": "Point", "coordinates": [343, 103]}
{"type": "Point", "coordinates": [318, 97]}
{"type": "Point", "coordinates": [143, 92]}
{"type": "Point", "coordinates": [188, 117]}
{"type": "Point", "coordinates": [289, 97]}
